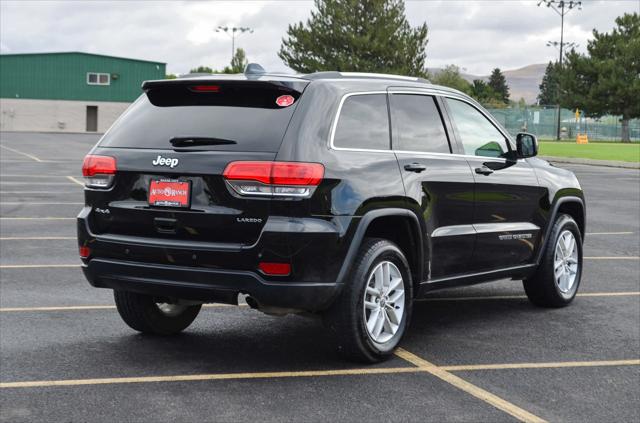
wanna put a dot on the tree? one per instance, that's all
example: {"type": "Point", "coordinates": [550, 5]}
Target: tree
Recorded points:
{"type": "Point", "coordinates": [549, 86]}
{"type": "Point", "coordinates": [481, 91]}
{"type": "Point", "coordinates": [498, 83]}
{"type": "Point", "coordinates": [450, 77]}
{"type": "Point", "coordinates": [202, 69]}
{"type": "Point", "coordinates": [238, 62]}
{"type": "Point", "coordinates": [605, 81]}
{"type": "Point", "coordinates": [356, 35]}
{"type": "Point", "coordinates": [170, 76]}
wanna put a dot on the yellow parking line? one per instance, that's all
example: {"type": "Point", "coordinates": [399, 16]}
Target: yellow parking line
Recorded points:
{"type": "Point", "coordinates": [614, 258]}
{"type": "Point", "coordinates": [469, 388]}
{"type": "Point", "coordinates": [72, 179]}
{"type": "Point", "coordinates": [92, 307]}
{"type": "Point", "coordinates": [213, 376]}
{"type": "Point", "coordinates": [110, 307]}
{"type": "Point", "coordinates": [31, 156]}
{"type": "Point", "coordinates": [524, 297]}
{"type": "Point", "coordinates": [556, 365]}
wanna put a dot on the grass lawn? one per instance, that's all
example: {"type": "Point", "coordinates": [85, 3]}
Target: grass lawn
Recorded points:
{"type": "Point", "coordinates": [598, 151]}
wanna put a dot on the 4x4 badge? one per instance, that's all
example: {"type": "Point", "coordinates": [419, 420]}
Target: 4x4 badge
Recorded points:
{"type": "Point", "coordinates": [165, 161]}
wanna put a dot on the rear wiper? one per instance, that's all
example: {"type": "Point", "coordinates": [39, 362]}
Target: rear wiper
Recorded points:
{"type": "Point", "coordinates": [197, 141]}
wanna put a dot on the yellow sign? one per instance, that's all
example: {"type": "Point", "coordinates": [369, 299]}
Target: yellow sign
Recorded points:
{"type": "Point", "coordinates": [582, 139]}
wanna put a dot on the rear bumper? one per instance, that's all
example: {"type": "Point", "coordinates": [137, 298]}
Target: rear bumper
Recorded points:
{"type": "Point", "coordinates": [209, 272]}
{"type": "Point", "coordinates": [207, 285]}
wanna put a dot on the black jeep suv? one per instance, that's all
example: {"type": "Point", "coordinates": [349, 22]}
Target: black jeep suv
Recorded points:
{"type": "Point", "coordinates": [343, 195]}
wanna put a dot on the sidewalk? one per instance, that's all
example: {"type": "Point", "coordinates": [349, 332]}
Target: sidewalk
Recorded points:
{"type": "Point", "coordinates": [592, 162]}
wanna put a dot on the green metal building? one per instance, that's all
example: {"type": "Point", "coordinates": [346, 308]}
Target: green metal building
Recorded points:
{"type": "Point", "coordinates": [73, 92]}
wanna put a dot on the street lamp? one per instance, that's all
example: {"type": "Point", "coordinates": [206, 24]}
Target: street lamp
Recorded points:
{"type": "Point", "coordinates": [231, 31]}
{"type": "Point", "coordinates": [561, 7]}
{"type": "Point", "coordinates": [556, 44]}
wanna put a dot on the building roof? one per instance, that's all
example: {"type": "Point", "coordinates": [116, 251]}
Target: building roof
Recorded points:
{"type": "Point", "coordinates": [83, 53]}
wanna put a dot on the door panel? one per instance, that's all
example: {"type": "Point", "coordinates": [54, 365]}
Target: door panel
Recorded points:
{"type": "Point", "coordinates": [443, 196]}
{"type": "Point", "coordinates": [505, 204]}
{"type": "Point", "coordinates": [438, 184]}
{"type": "Point", "coordinates": [506, 191]}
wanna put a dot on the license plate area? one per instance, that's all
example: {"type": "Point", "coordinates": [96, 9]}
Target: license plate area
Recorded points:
{"type": "Point", "coordinates": [165, 192]}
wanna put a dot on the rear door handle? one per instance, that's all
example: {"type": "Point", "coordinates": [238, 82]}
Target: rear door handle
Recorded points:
{"type": "Point", "coordinates": [415, 167]}
{"type": "Point", "coordinates": [484, 170]}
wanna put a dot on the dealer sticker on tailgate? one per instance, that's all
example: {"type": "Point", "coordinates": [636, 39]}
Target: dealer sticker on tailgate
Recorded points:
{"type": "Point", "coordinates": [169, 193]}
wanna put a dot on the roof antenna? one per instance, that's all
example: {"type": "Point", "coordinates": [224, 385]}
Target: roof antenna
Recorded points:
{"type": "Point", "coordinates": [254, 69]}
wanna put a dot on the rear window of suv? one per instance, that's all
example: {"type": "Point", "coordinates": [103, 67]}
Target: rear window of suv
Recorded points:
{"type": "Point", "coordinates": [363, 123]}
{"type": "Point", "coordinates": [246, 117]}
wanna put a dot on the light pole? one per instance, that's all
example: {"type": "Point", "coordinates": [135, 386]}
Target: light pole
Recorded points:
{"type": "Point", "coordinates": [561, 7]}
{"type": "Point", "coordinates": [231, 31]}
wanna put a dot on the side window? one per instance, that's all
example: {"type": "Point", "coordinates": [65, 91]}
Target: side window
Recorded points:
{"type": "Point", "coordinates": [363, 123]}
{"type": "Point", "coordinates": [417, 125]}
{"type": "Point", "coordinates": [478, 135]}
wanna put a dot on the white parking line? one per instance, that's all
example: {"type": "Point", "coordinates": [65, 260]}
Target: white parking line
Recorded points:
{"type": "Point", "coordinates": [31, 156]}
{"type": "Point", "coordinates": [41, 192]}
{"type": "Point", "coordinates": [46, 203]}
{"type": "Point", "coordinates": [72, 179]}
{"type": "Point", "coordinates": [37, 218]}
{"type": "Point", "coordinates": [35, 266]}
{"type": "Point", "coordinates": [614, 258]}
{"type": "Point", "coordinates": [33, 183]}
{"type": "Point", "coordinates": [610, 233]}
{"type": "Point", "coordinates": [36, 238]}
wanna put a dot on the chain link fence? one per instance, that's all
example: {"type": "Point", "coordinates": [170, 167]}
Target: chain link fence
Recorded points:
{"type": "Point", "coordinates": [542, 121]}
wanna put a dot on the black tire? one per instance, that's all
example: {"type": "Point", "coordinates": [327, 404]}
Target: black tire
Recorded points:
{"type": "Point", "coordinates": [346, 317]}
{"type": "Point", "coordinates": [142, 313]}
{"type": "Point", "coordinates": [541, 288]}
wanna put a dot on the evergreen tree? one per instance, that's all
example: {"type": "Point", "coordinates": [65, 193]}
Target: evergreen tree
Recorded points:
{"type": "Point", "coordinates": [606, 81]}
{"type": "Point", "coordinates": [238, 63]}
{"type": "Point", "coordinates": [549, 86]}
{"type": "Point", "coordinates": [356, 35]}
{"type": "Point", "coordinates": [498, 83]}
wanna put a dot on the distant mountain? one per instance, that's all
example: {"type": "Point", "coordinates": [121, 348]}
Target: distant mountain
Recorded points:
{"type": "Point", "coordinates": [523, 82]}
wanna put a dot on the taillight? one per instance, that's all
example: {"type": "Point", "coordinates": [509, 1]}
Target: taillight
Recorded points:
{"type": "Point", "coordinates": [274, 179]}
{"type": "Point", "coordinates": [274, 269]}
{"type": "Point", "coordinates": [98, 171]}
{"type": "Point", "coordinates": [85, 252]}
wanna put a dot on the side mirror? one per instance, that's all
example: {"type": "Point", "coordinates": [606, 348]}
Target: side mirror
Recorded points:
{"type": "Point", "coordinates": [527, 145]}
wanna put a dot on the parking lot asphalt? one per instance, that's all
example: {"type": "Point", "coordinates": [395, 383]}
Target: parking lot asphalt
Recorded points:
{"type": "Point", "coordinates": [480, 353]}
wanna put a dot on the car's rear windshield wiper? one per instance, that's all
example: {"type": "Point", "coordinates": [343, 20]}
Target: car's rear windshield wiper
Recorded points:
{"type": "Point", "coordinates": [199, 141]}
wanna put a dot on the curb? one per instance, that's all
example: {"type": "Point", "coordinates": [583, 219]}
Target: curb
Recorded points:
{"type": "Point", "coordinates": [592, 162]}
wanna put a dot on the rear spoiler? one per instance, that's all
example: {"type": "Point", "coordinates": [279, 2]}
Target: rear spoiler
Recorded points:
{"type": "Point", "coordinates": [295, 84]}
{"type": "Point", "coordinates": [236, 90]}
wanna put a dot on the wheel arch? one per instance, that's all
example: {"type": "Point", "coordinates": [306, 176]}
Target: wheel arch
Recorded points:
{"type": "Point", "coordinates": [574, 207]}
{"type": "Point", "coordinates": [400, 226]}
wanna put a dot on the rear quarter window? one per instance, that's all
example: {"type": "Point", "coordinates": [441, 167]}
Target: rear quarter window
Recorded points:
{"type": "Point", "coordinates": [363, 123]}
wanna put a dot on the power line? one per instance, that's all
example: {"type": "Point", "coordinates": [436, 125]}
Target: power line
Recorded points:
{"type": "Point", "coordinates": [232, 31]}
{"type": "Point", "coordinates": [562, 8]}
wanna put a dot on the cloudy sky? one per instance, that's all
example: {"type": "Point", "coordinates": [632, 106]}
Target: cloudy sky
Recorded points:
{"type": "Point", "coordinates": [475, 35]}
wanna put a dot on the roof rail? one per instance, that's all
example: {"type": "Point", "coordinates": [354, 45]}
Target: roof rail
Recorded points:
{"type": "Point", "coordinates": [366, 75]}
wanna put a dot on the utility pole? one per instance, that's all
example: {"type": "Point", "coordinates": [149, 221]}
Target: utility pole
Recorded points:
{"type": "Point", "coordinates": [231, 31]}
{"type": "Point", "coordinates": [561, 7]}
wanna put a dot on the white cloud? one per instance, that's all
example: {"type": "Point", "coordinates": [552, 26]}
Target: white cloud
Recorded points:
{"type": "Point", "coordinates": [476, 35]}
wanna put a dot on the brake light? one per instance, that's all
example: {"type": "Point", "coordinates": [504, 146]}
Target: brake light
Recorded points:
{"type": "Point", "coordinates": [85, 252]}
{"type": "Point", "coordinates": [276, 179]}
{"type": "Point", "coordinates": [205, 88]}
{"type": "Point", "coordinates": [275, 269]}
{"type": "Point", "coordinates": [98, 171]}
